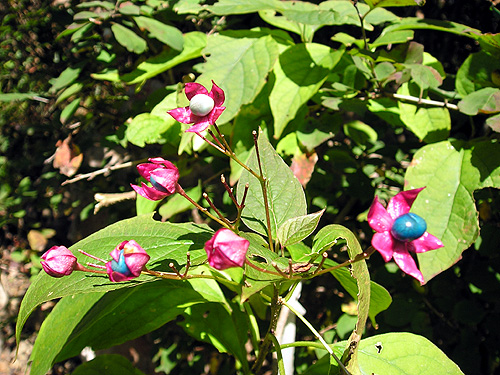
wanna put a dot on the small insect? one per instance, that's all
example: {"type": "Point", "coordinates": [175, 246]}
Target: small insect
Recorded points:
{"type": "Point", "coordinates": [378, 345]}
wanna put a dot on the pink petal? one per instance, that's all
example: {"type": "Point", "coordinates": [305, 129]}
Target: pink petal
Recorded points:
{"type": "Point", "coordinates": [217, 95]}
{"type": "Point", "coordinates": [408, 265]}
{"type": "Point", "coordinates": [384, 243]}
{"type": "Point", "coordinates": [183, 115]}
{"type": "Point", "coordinates": [167, 178]}
{"type": "Point", "coordinates": [198, 127]}
{"type": "Point", "coordinates": [378, 218]}
{"type": "Point", "coordinates": [148, 192]}
{"type": "Point", "coordinates": [192, 88]}
{"type": "Point", "coordinates": [401, 203]}
{"type": "Point", "coordinates": [214, 114]}
{"type": "Point", "coordinates": [425, 243]}
{"type": "Point", "coordinates": [159, 160]}
{"type": "Point", "coordinates": [136, 262]}
{"type": "Point", "coordinates": [145, 169]}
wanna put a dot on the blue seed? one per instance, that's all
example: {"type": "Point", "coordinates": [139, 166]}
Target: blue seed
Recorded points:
{"type": "Point", "coordinates": [120, 266]}
{"type": "Point", "coordinates": [156, 185]}
{"type": "Point", "coordinates": [408, 227]}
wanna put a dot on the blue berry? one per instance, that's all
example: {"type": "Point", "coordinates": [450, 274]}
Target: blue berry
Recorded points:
{"type": "Point", "coordinates": [120, 266]}
{"type": "Point", "coordinates": [408, 227]}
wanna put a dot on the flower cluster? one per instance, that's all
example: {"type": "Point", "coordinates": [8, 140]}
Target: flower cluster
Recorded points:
{"type": "Point", "coordinates": [399, 232]}
{"type": "Point", "coordinates": [128, 260]}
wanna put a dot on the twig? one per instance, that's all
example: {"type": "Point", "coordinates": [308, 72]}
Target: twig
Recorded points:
{"type": "Point", "coordinates": [434, 103]}
{"type": "Point", "coordinates": [91, 175]}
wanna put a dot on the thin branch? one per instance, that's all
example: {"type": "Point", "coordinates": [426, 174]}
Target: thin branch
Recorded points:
{"type": "Point", "coordinates": [416, 100]}
{"type": "Point", "coordinates": [91, 175]}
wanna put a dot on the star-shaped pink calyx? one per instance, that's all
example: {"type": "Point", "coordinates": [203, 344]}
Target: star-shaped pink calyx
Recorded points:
{"type": "Point", "coordinates": [399, 232]}
{"type": "Point", "coordinates": [204, 107]}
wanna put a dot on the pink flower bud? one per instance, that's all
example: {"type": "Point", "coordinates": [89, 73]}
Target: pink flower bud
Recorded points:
{"type": "Point", "coordinates": [162, 174]}
{"type": "Point", "coordinates": [58, 261]}
{"type": "Point", "coordinates": [226, 249]}
{"type": "Point", "coordinates": [128, 261]}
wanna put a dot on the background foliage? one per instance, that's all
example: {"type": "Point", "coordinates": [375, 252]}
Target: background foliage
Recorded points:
{"type": "Point", "coordinates": [86, 85]}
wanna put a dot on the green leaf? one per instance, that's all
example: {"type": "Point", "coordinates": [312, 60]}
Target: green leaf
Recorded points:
{"type": "Point", "coordinates": [394, 37]}
{"type": "Point", "coordinates": [296, 229]}
{"type": "Point", "coordinates": [109, 364]}
{"type": "Point", "coordinates": [476, 73]}
{"type": "Point", "coordinates": [66, 78]}
{"type": "Point", "coordinates": [144, 206]}
{"type": "Point", "coordinates": [398, 353]}
{"type": "Point", "coordinates": [361, 133]}
{"type": "Point", "coordinates": [240, 67]}
{"type": "Point", "coordinates": [301, 71]}
{"type": "Point", "coordinates": [69, 110]}
{"type": "Point", "coordinates": [177, 204]}
{"type": "Point", "coordinates": [486, 100]}
{"type": "Point", "coordinates": [164, 242]}
{"type": "Point", "coordinates": [129, 9]}
{"type": "Point", "coordinates": [225, 330]}
{"type": "Point", "coordinates": [428, 124]}
{"type": "Point", "coordinates": [394, 3]}
{"type": "Point", "coordinates": [70, 91]}
{"type": "Point", "coordinates": [494, 123]}
{"type": "Point", "coordinates": [92, 4]}
{"type": "Point", "coordinates": [194, 43]}
{"type": "Point", "coordinates": [164, 33]}
{"type": "Point", "coordinates": [147, 128]}
{"type": "Point", "coordinates": [425, 76]}
{"type": "Point", "coordinates": [225, 7]}
{"type": "Point", "coordinates": [451, 173]}
{"type": "Point", "coordinates": [128, 39]}
{"type": "Point", "coordinates": [10, 97]}
{"type": "Point", "coordinates": [284, 193]}
{"type": "Point", "coordinates": [323, 240]}
{"type": "Point", "coordinates": [380, 299]}
{"type": "Point", "coordinates": [116, 317]}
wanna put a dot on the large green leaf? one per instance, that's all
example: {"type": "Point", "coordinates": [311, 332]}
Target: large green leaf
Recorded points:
{"type": "Point", "coordinates": [129, 39]}
{"type": "Point", "coordinates": [146, 128]}
{"type": "Point", "coordinates": [489, 42]}
{"type": "Point", "coordinates": [301, 71]}
{"type": "Point", "coordinates": [194, 42]}
{"type": "Point", "coordinates": [451, 173]}
{"type": "Point", "coordinates": [485, 100]}
{"type": "Point", "coordinates": [164, 242]}
{"type": "Point", "coordinates": [476, 72]}
{"type": "Point", "coordinates": [239, 66]}
{"type": "Point", "coordinates": [285, 194]}
{"type": "Point", "coordinates": [394, 354]}
{"type": "Point", "coordinates": [102, 320]}
{"type": "Point", "coordinates": [394, 3]}
{"type": "Point", "coordinates": [323, 240]}
{"type": "Point", "coordinates": [164, 33]}
{"type": "Point", "coordinates": [428, 124]}
{"type": "Point", "coordinates": [224, 7]}
{"type": "Point", "coordinates": [226, 330]}
{"type": "Point", "coordinates": [109, 364]}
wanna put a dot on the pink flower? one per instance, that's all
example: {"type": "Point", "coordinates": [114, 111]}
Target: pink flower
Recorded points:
{"type": "Point", "coordinates": [204, 107]}
{"type": "Point", "coordinates": [58, 261]}
{"type": "Point", "coordinates": [398, 232]}
{"type": "Point", "coordinates": [226, 249]}
{"type": "Point", "coordinates": [162, 174]}
{"type": "Point", "coordinates": [128, 261]}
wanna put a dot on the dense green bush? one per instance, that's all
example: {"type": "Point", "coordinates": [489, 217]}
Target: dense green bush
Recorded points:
{"type": "Point", "coordinates": [356, 111]}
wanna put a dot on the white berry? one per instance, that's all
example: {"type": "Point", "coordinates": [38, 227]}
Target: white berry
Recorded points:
{"type": "Point", "coordinates": [201, 104]}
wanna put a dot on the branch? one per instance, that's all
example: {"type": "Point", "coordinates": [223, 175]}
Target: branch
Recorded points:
{"type": "Point", "coordinates": [434, 103]}
{"type": "Point", "coordinates": [91, 175]}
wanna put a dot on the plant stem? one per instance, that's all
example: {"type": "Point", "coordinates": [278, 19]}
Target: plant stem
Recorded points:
{"type": "Point", "coordinates": [276, 344]}
{"type": "Point", "coordinates": [316, 333]}
{"type": "Point", "coordinates": [181, 191]}
{"type": "Point", "coordinates": [264, 347]}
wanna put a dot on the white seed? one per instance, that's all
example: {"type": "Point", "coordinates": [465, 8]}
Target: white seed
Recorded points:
{"type": "Point", "coordinates": [201, 104]}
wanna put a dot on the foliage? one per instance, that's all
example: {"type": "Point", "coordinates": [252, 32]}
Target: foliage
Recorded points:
{"type": "Point", "coordinates": [342, 92]}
